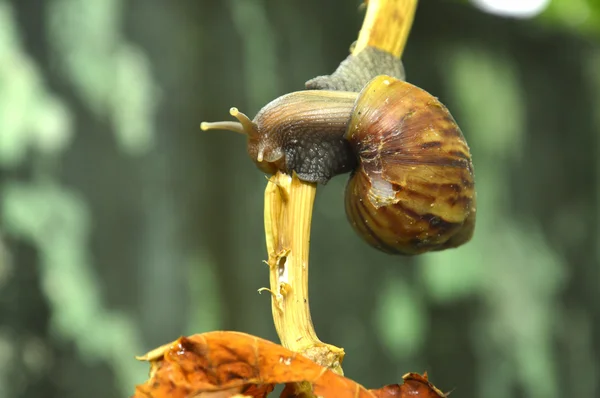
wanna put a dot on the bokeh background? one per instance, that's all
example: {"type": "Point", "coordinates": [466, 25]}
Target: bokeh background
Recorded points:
{"type": "Point", "coordinates": [122, 226]}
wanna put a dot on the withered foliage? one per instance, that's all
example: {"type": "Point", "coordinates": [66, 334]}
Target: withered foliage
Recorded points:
{"type": "Point", "coordinates": [230, 364]}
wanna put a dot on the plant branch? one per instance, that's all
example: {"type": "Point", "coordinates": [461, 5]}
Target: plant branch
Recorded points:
{"type": "Point", "coordinates": [289, 204]}
{"type": "Point", "coordinates": [288, 213]}
{"type": "Point", "coordinates": [386, 26]}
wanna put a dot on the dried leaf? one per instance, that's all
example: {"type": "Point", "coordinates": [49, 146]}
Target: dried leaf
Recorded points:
{"type": "Point", "coordinates": [414, 385]}
{"type": "Point", "coordinates": [227, 364]}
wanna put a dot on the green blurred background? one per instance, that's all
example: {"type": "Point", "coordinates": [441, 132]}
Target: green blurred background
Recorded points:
{"type": "Point", "coordinates": [122, 226]}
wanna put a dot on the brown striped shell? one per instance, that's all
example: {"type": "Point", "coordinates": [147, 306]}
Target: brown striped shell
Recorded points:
{"type": "Point", "coordinates": [413, 190]}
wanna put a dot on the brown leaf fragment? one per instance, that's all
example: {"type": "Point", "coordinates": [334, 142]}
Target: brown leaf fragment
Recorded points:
{"type": "Point", "coordinates": [258, 390]}
{"type": "Point", "coordinates": [414, 386]}
{"type": "Point", "coordinates": [228, 364]}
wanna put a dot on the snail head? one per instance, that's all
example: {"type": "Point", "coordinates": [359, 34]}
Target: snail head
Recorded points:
{"type": "Point", "coordinates": [263, 147]}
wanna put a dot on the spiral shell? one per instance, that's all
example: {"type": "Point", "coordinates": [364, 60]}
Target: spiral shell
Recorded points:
{"type": "Point", "coordinates": [413, 190]}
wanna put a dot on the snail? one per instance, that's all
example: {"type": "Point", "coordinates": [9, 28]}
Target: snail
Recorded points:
{"type": "Point", "coordinates": [411, 188]}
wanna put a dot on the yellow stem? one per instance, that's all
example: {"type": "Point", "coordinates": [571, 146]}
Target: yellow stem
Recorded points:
{"type": "Point", "coordinates": [288, 213]}
{"type": "Point", "coordinates": [386, 25]}
{"type": "Point", "coordinates": [289, 204]}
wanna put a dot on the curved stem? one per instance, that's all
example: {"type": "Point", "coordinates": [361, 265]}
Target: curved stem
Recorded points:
{"type": "Point", "coordinates": [288, 213]}
{"type": "Point", "coordinates": [289, 203]}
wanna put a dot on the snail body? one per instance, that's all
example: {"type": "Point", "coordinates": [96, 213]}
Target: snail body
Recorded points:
{"type": "Point", "coordinates": [411, 188]}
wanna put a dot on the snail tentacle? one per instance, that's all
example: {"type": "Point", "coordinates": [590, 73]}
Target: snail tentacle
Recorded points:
{"type": "Point", "coordinates": [243, 126]}
{"type": "Point", "coordinates": [229, 126]}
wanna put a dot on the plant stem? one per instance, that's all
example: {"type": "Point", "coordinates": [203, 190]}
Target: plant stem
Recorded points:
{"type": "Point", "coordinates": [289, 204]}
{"type": "Point", "coordinates": [288, 214]}
{"type": "Point", "coordinates": [386, 25]}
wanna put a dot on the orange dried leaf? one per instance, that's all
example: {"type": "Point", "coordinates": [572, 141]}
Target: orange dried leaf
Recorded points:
{"type": "Point", "coordinates": [227, 364]}
{"type": "Point", "coordinates": [414, 385]}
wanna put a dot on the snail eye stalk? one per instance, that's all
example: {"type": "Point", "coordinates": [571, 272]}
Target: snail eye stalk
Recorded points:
{"type": "Point", "coordinates": [244, 126]}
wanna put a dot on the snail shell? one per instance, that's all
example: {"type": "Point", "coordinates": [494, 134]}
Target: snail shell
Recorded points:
{"type": "Point", "coordinates": [413, 190]}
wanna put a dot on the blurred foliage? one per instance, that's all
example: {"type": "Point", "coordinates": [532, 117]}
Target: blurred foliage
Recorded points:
{"type": "Point", "coordinates": [31, 116]}
{"type": "Point", "coordinates": [110, 74]}
{"type": "Point", "coordinates": [575, 15]}
{"type": "Point", "coordinates": [53, 218]}
{"type": "Point", "coordinates": [123, 227]}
